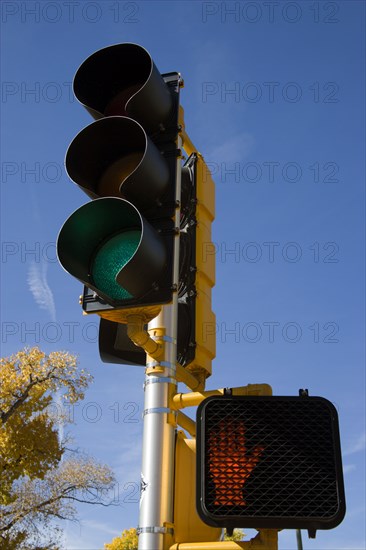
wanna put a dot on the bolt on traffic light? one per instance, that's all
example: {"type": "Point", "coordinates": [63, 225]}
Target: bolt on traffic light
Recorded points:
{"type": "Point", "coordinates": [269, 462]}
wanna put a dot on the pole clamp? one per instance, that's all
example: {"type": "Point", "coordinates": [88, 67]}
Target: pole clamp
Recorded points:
{"type": "Point", "coordinates": [159, 410]}
{"type": "Point", "coordinates": [159, 380]}
{"type": "Point", "coordinates": [164, 339]}
{"type": "Point", "coordinates": [160, 364]}
{"type": "Point", "coordinates": [155, 530]}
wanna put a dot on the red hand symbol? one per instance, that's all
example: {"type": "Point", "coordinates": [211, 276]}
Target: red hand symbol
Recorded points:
{"type": "Point", "coordinates": [230, 465]}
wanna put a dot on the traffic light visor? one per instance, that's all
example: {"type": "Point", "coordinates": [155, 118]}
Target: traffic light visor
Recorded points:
{"type": "Point", "coordinates": [113, 157]}
{"type": "Point", "coordinates": [112, 249]}
{"type": "Point", "coordinates": [123, 80]}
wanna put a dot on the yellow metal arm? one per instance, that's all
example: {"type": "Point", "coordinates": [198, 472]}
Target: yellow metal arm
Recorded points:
{"type": "Point", "coordinates": [183, 375]}
{"type": "Point", "coordinates": [182, 400]}
{"type": "Point", "coordinates": [140, 337]}
{"type": "Point", "coordinates": [186, 423]}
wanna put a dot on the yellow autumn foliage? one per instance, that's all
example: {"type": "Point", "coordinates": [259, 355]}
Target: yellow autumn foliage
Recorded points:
{"type": "Point", "coordinates": [29, 443]}
{"type": "Point", "coordinates": [39, 480]}
{"type": "Point", "coordinates": [127, 541]}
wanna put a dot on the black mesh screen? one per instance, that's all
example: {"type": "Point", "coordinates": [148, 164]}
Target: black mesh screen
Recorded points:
{"type": "Point", "coordinates": [270, 457]}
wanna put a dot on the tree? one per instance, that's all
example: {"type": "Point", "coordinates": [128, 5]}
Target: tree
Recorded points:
{"type": "Point", "coordinates": [40, 478]}
{"type": "Point", "coordinates": [237, 536]}
{"type": "Point", "coordinates": [127, 541]}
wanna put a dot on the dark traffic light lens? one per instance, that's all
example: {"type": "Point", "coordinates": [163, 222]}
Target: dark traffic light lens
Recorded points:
{"type": "Point", "coordinates": [117, 105]}
{"type": "Point", "coordinates": [113, 177]}
{"type": "Point", "coordinates": [111, 257]}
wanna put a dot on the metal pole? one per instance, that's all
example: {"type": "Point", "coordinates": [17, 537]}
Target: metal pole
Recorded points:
{"type": "Point", "coordinates": [158, 446]}
{"type": "Point", "coordinates": [299, 539]}
{"type": "Point", "coordinates": [156, 501]}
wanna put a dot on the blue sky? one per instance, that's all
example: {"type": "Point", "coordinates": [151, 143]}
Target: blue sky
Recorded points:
{"type": "Point", "coordinates": [274, 99]}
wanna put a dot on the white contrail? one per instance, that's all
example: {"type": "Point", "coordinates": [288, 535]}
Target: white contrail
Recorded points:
{"type": "Point", "coordinates": [38, 285]}
{"type": "Point", "coordinates": [356, 446]}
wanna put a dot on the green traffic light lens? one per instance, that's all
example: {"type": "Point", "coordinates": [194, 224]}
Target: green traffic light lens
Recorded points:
{"type": "Point", "coordinates": [111, 257]}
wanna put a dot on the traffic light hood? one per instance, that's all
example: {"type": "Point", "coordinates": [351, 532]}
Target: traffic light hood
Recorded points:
{"type": "Point", "coordinates": [107, 245]}
{"type": "Point", "coordinates": [123, 80]}
{"type": "Point", "coordinates": [114, 157]}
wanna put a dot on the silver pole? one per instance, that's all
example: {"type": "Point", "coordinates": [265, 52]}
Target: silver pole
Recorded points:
{"type": "Point", "coordinates": [158, 445]}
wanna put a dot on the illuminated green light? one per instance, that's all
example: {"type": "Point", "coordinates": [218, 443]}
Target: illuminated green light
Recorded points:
{"type": "Point", "coordinates": [111, 257]}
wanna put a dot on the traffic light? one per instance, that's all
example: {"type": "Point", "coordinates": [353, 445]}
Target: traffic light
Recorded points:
{"type": "Point", "coordinates": [269, 462]}
{"type": "Point", "coordinates": [120, 245]}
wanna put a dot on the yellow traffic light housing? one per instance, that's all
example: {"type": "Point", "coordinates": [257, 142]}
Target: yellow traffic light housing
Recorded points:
{"type": "Point", "coordinates": [188, 526]}
{"type": "Point", "coordinates": [197, 272]}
